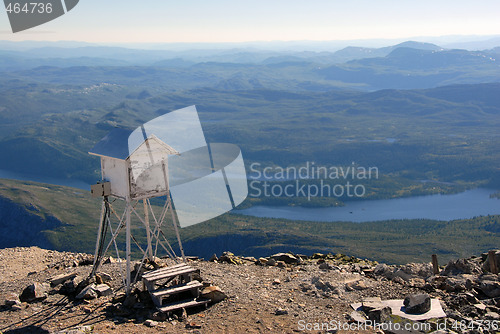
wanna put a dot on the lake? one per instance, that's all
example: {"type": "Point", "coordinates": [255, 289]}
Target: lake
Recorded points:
{"type": "Point", "coordinates": [4, 174]}
{"type": "Point", "coordinates": [468, 204]}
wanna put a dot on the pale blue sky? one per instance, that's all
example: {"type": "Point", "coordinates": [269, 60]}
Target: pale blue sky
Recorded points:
{"type": "Point", "coordinates": [126, 21]}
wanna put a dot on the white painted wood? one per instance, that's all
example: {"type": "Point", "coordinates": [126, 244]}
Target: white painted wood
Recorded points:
{"type": "Point", "coordinates": [115, 171]}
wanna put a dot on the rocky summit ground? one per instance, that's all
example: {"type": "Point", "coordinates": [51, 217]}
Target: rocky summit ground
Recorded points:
{"type": "Point", "coordinates": [284, 293]}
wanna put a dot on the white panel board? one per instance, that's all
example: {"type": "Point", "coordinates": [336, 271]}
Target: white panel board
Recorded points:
{"type": "Point", "coordinates": [115, 171]}
{"type": "Point", "coordinates": [148, 177]}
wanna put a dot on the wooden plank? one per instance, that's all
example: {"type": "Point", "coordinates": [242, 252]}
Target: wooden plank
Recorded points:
{"type": "Point", "coordinates": [493, 262]}
{"type": "Point", "coordinates": [435, 266]}
{"type": "Point", "coordinates": [176, 289]}
{"type": "Point", "coordinates": [183, 304]}
{"type": "Point", "coordinates": [168, 274]}
{"type": "Point", "coordinates": [170, 268]}
{"type": "Point", "coordinates": [165, 270]}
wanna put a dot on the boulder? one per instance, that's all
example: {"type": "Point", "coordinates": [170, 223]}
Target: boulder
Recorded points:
{"type": "Point", "coordinates": [380, 314]}
{"type": "Point", "coordinates": [403, 275]}
{"type": "Point", "coordinates": [472, 311]}
{"type": "Point", "coordinates": [320, 285]}
{"type": "Point", "coordinates": [214, 258]}
{"type": "Point", "coordinates": [280, 264]}
{"type": "Point", "coordinates": [130, 300]}
{"type": "Point", "coordinates": [455, 284]}
{"type": "Point", "coordinates": [317, 256]}
{"type": "Point", "coordinates": [98, 279]}
{"type": "Point", "coordinates": [71, 285]}
{"type": "Point", "coordinates": [417, 304]}
{"type": "Point", "coordinates": [417, 282]}
{"type": "Point", "coordinates": [230, 258]}
{"type": "Point", "coordinates": [119, 297]}
{"type": "Point", "coordinates": [360, 285]}
{"type": "Point", "coordinates": [492, 316]}
{"type": "Point", "coordinates": [420, 270]}
{"type": "Point", "coordinates": [384, 270]}
{"type": "Point", "coordinates": [158, 316]}
{"type": "Point", "coordinates": [87, 293]}
{"type": "Point", "coordinates": [214, 293]}
{"type": "Point", "coordinates": [150, 323]}
{"type": "Point", "coordinates": [305, 287]}
{"type": "Point", "coordinates": [325, 266]}
{"type": "Point", "coordinates": [358, 317]}
{"type": "Point", "coordinates": [34, 292]}
{"type": "Point", "coordinates": [271, 262]}
{"type": "Point", "coordinates": [56, 280]}
{"type": "Point", "coordinates": [371, 304]}
{"type": "Point", "coordinates": [12, 299]}
{"type": "Point", "coordinates": [103, 290]}
{"type": "Point", "coordinates": [110, 260]}
{"type": "Point", "coordinates": [140, 268]}
{"type": "Point", "coordinates": [280, 311]}
{"type": "Point", "coordinates": [486, 263]}
{"type": "Point", "coordinates": [399, 280]}
{"type": "Point", "coordinates": [490, 288]}
{"type": "Point", "coordinates": [17, 307]}
{"type": "Point", "coordinates": [480, 306]}
{"type": "Point", "coordinates": [462, 299]}
{"type": "Point", "coordinates": [462, 266]}
{"type": "Point", "coordinates": [105, 277]}
{"type": "Point", "coordinates": [119, 310]}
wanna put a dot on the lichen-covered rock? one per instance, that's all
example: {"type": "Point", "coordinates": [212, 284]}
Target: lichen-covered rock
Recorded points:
{"type": "Point", "coordinates": [380, 314]}
{"type": "Point", "coordinates": [462, 266]}
{"type": "Point", "coordinates": [286, 257]}
{"type": "Point", "coordinates": [417, 304]}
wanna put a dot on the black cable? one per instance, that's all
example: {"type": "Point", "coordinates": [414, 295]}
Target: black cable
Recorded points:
{"type": "Point", "coordinates": [104, 230]}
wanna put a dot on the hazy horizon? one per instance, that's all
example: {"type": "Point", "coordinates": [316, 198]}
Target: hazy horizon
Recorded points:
{"type": "Point", "coordinates": [223, 21]}
{"type": "Point", "coordinates": [471, 42]}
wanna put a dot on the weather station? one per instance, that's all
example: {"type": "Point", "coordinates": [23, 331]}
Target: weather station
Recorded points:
{"type": "Point", "coordinates": [166, 159]}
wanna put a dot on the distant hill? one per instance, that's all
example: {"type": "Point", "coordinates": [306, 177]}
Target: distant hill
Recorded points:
{"type": "Point", "coordinates": [408, 68]}
{"type": "Point", "coordinates": [415, 45]}
{"type": "Point", "coordinates": [353, 52]}
{"type": "Point", "coordinates": [271, 126]}
{"type": "Point", "coordinates": [408, 65]}
{"type": "Point", "coordinates": [487, 42]}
